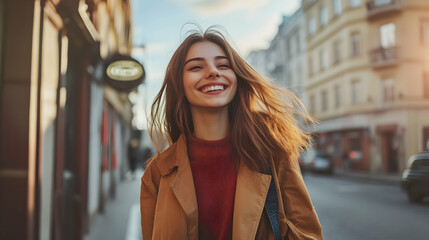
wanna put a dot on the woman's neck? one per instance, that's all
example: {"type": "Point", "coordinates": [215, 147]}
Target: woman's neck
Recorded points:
{"type": "Point", "coordinates": [210, 123]}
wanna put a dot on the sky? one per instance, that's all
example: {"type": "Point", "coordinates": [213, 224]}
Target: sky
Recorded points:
{"type": "Point", "coordinates": [159, 26]}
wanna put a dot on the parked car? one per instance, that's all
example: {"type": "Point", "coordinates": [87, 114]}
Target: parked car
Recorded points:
{"type": "Point", "coordinates": [415, 178]}
{"type": "Point", "coordinates": [317, 161]}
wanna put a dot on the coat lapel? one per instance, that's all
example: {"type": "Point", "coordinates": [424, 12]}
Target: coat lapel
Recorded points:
{"type": "Point", "coordinates": [250, 194]}
{"type": "Point", "coordinates": [184, 190]}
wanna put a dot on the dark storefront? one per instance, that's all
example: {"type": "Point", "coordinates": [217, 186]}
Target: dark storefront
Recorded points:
{"type": "Point", "coordinates": [349, 149]}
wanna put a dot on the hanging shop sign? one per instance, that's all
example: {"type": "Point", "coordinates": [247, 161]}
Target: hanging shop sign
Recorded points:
{"type": "Point", "coordinates": [123, 73]}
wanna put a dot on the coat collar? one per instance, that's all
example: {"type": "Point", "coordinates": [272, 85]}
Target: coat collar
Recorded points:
{"type": "Point", "coordinates": [183, 182]}
{"type": "Point", "coordinates": [250, 194]}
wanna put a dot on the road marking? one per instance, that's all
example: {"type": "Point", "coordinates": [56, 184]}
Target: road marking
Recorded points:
{"type": "Point", "coordinates": [134, 228]}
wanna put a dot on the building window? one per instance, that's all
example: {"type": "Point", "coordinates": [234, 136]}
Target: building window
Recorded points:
{"type": "Point", "coordinates": [312, 105]}
{"type": "Point", "coordinates": [337, 93]}
{"type": "Point", "coordinates": [382, 2]}
{"type": "Point", "coordinates": [387, 35]}
{"type": "Point", "coordinates": [426, 85]}
{"type": "Point", "coordinates": [289, 43]}
{"type": "Point", "coordinates": [356, 92]}
{"type": "Point", "coordinates": [323, 59]}
{"type": "Point", "coordinates": [425, 32]}
{"type": "Point", "coordinates": [336, 52]}
{"type": "Point", "coordinates": [388, 90]}
{"type": "Point", "coordinates": [298, 44]}
{"type": "Point", "coordinates": [310, 66]}
{"type": "Point", "coordinates": [336, 144]}
{"type": "Point", "coordinates": [425, 138]}
{"type": "Point", "coordinates": [337, 7]}
{"type": "Point", "coordinates": [355, 44]}
{"type": "Point", "coordinates": [355, 3]}
{"type": "Point", "coordinates": [323, 16]}
{"type": "Point", "coordinates": [355, 140]}
{"type": "Point", "coordinates": [324, 100]}
{"type": "Point", "coordinates": [311, 26]}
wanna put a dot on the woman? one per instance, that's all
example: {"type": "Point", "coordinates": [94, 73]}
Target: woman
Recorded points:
{"type": "Point", "coordinates": [231, 135]}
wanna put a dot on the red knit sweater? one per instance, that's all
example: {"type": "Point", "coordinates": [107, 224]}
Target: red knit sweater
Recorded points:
{"type": "Point", "coordinates": [215, 177]}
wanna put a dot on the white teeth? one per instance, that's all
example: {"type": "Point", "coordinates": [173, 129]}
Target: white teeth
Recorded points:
{"type": "Point", "coordinates": [212, 88]}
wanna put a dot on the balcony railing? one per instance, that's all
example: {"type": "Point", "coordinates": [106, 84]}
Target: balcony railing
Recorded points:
{"type": "Point", "coordinates": [377, 8]}
{"type": "Point", "coordinates": [384, 57]}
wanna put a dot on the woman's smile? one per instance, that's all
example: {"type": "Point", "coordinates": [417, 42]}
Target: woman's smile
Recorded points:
{"type": "Point", "coordinates": [213, 88]}
{"type": "Point", "coordinates": [208, 78]}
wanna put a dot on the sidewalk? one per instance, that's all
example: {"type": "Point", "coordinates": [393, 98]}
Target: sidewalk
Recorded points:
{"type": "Point", "coordinates": [121, 219]}
{"type": "Point", "coordinates": [389, 179]}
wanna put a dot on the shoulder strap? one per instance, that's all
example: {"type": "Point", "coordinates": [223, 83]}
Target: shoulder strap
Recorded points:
{"type": "Point", "coordinates": [272, 208]}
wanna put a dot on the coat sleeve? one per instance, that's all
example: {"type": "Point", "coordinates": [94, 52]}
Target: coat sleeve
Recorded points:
{"type": "Point", "coordinates": [148, 196]}
{"type": "Point", "coordinates": [298, 212]}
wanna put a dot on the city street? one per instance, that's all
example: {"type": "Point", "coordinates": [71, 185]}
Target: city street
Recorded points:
{"type": "Point", "coordinates": [347, 209]}
{"type": "Point", "coordinates": [353, 210]}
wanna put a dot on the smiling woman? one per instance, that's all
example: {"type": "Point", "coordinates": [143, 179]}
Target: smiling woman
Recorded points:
{"type": "Point", "coordinates": [209, 82]}
{"type": "Point", "coordinates": [231, 170]}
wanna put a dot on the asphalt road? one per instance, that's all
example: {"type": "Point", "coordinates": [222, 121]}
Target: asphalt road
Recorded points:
{"type": "Point", "coordinates": [354, 210]}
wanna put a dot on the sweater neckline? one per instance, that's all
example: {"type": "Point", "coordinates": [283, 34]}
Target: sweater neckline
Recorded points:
{"type": "Point", "coordinates": [200, 149]}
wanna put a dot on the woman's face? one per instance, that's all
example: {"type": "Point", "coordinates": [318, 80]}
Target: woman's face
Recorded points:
{"type": "Point", "coordinates": [208, 79]}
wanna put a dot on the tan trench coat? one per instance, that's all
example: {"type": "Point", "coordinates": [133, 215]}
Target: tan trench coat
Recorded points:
{"type": "Point", "coordinates": [169, 209]}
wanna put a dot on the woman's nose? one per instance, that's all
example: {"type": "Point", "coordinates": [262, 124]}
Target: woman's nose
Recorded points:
{"type": "Point", "coordinates": [213, 72]}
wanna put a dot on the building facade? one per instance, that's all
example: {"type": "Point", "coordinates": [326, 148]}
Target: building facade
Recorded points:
{"type": "Point", "coordinates": [365, 77]}
{"type": "Point", "coordinates": [64, 131]}
{"type": "Point", "coordinates": [366, 80]}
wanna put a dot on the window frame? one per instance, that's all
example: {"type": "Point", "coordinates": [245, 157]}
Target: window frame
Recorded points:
{"type": "Point", "coordinates": [312, 106]}
{"type": "Point", "coordinates": [323, 59]}
{"type": "Point", "coordinates": [336, 52]}
{"type": "Point", "coordinates": [337, 96]}
{"type": "Point", "coordinates": [312, 26]}
{"type": "Point", "coordinates": [337, 7]}
{"type": "Point", "coordinates": [356, 86]}
{"type": "Point", "coordinates": [355, 3]}
{"type": "Point", "coordinates": [324, 16]}
{"type": "Point", "coordinates": [388, 91]}
{"type": "Point", "coordinates": [324, 100]}
{"type": "Point", "coordinates": [387, 39]}
{"type": "Point", "coordinates": [426, 85]}
{"type": "Point", "coordinates": [424, 40]}
{"type": "Point", "coordinates": [356, 44]}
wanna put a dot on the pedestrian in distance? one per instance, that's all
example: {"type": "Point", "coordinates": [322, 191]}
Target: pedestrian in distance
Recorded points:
{"type": "Point", "coordinates": [230, 170]}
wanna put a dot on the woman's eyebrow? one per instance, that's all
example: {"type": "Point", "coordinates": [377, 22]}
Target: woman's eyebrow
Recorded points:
{"type": "Point", "coordinates": [202, 59]}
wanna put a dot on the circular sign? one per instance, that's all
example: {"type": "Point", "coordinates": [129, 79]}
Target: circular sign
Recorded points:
{"type": "Point", "coordinates": [124, 70]}
{"type": "Point", "coordinates": [124, 73]}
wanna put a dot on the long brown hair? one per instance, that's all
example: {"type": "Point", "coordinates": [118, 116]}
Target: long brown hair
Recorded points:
{"type": "Point", "coordinates": [262, 117]}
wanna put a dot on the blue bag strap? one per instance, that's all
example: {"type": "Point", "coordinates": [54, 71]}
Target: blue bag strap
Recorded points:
{"type": "Point", "coordinates": [272, 208]}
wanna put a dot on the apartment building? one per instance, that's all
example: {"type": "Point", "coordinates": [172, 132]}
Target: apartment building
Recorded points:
{"type": "Point", "coordinates": [64, 128]}
{"type": "Point", "coordinates": [367, 80]}
{"type": "Point", "coordinates": [284, 60]}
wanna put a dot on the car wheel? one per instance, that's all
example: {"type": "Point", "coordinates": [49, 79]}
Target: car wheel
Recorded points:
{"type": "Point", "coordinates": [414, 198]}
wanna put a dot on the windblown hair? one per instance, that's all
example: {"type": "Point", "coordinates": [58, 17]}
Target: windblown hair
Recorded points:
{"type": "Point", "coordinates": [262, 117]}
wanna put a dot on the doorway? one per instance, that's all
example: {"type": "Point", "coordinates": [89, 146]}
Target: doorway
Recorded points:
{"type": "Point", "coordinates": [389, 148]}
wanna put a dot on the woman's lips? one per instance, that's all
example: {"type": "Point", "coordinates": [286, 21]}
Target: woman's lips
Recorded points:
{"type": "Point", "coordinates": [213, 88]}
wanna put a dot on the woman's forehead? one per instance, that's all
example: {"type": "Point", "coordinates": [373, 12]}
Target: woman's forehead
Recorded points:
{"type": "Point", "coordinates": [205, 50]}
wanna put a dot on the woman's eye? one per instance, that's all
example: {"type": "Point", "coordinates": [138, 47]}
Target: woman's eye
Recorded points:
{"type": "Point", "coordinates": [194, 68]}
{"type": "Point", "coordinates": [224, 66]}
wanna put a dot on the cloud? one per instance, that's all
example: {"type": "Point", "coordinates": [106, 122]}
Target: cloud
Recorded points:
{"type": "Point", "coordinates": [259, 38]}
{"type": "Point", "coordinates": [215, 7]}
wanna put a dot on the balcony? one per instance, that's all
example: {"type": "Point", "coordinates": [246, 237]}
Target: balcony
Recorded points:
{"type": "Point", "coordinates": [380, 8]}
{"type": "Point", "coordinates": [384, 57]}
